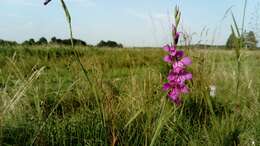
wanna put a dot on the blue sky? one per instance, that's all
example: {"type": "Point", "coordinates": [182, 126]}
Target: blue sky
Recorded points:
{"type": "Point", "coordinates": [131, 22]}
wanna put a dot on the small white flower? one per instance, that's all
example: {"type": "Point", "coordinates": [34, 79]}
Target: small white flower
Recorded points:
{"type": "Point", "coordinates": [253, 142]}
{"type": "Point", "coordinates": [212, 92]}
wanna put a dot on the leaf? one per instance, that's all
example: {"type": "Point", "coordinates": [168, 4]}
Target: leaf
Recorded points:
{"type": "Point", "coordinates": [66, 11]}
{"type": "Point", "coordinates": [235, 23]}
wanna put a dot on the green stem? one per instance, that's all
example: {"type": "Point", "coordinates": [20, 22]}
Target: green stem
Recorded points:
{"type": "Point", "coordinates": [76, 54]}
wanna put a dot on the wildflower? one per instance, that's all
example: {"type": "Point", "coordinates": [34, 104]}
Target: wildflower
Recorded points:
{"type": "Point", "coordinates": [171, 49]}
{"type": "Point", "coordinates": [181, 65]}
{"type": "Point", "coordinates": [212, 92]}
{"type": "Point", "coordinates": [177, 75]}
{"type": "Point", "coordinates": [253, 143]}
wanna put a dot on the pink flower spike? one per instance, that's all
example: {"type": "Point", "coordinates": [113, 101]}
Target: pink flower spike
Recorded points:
{"type": "Point", "coordinates": [186, 61]}
{"type": "Point", "coordinates": [178, 75]}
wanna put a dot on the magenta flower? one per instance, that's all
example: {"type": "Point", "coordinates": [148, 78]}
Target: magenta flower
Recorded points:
{"type": "Point", "coordinates": [168, 58]}
{"type": "Point", "coordinates": [178, 74]}
{"type": "Point", "coordinates": [179, 66]}
{"type": "Point", "coordinates": [171, 49]}
{"type": "Point", "coordinates": [175, 90]}
{"type": "Point", "coordinates": [179, 77]}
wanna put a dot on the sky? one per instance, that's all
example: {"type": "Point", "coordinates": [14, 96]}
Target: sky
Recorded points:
{"type": "Point", "coordinates": [130, 22]}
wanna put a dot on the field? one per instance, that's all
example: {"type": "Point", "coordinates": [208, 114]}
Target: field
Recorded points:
{"type": "Point", "coordinates": [46, 99]}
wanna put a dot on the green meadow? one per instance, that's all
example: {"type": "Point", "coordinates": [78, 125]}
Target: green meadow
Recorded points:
{"type": "Point", "coordinates": [46, 98]}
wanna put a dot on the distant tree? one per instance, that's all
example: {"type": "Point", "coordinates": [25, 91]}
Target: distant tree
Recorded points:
{"type": "Point", "coordinates": [250, 40]}
{"type": "Point", "coordinates": [25, 42]}
{"type": "Point", "coordinates": [232, 41]}
{"type": "Point", "coordinates": [79, 42]}
{"type": "Point", "coordinates": [42, 41]}
{"type": "Point", "coordinates": [29, 42]}
{"type": "Point", "coordinates": [53, 40]}
{"type": "Point", "coordinates": [101, 43]}
{"type": "Point", "coordinates": [111, 44]}
{"type": "Point", "coordinates": [9, 43]}
{"type": "Point", "coordinates": [75, 42]}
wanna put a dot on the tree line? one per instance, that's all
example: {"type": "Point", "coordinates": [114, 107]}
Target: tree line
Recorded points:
{"type": "Point", "coordinates": [248, 41]}
{"type": "Point", "coordinates": [54, 41]}
{"type": "Point", "coordinates": [5, 42]}
{"type": "Point", "coordinates": [57, 41]}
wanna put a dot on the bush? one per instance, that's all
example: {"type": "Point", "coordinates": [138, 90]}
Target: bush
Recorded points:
{"type": "Point", "coordinates": [4, 42]}
{"type": "Point", "coordinates": [110, 44]}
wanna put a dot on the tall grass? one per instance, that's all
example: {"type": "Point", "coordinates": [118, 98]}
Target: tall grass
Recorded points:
{"type": "Point", "coordinates": [93, 87]}
{"type": "Point", "coordinates": [239, 44]}
{"type": "Point", "coordinates": [59, 109]}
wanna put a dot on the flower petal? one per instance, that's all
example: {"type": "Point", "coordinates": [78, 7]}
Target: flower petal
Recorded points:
{"type": "Point", "coordinates": [166, 86]}
{"type": "Point", "coordinates": [175, 96]}
{"type": "Point", "coordinates": [178, 67]}
{"type": "Point", "coordinates": [184, 89]}
{"type": "Point", "coordinates": [167, 48]}
{"type": "Point", "coordinates": [188, 76]}
{"type": "Point", "coordinates": [179, 54]}
{"type": "Point", "coordinates": [172, 76]}
{"type": "Point", "coordinates": [186, 61]}
{"type": "Point", "coordinates": [168, 58]}
{"type": "Point", "coordinates": [173, 51]}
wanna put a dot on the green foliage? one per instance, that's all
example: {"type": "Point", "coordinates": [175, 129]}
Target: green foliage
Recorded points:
{"type": "Point", "coordinates": [29, 42]}
{"type": "Point", "coordinates": [232, 41]}
{"type": "Point", "coordinates": [42, 41]}
{"type": "Point", "coordinates": [53, 41]}
{"type": "Point", "coordinates": [110, 44]}
{"type": "Point", "coordinates": [67, 42]}
{"type": "Point", "coordinates": [250, 40]}
{"type": "Point", "coordinates": [7, 43]}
